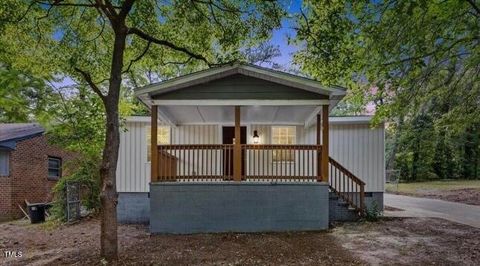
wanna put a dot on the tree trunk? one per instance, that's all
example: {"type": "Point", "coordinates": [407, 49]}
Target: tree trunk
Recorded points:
{"type": "Point", "coordinates": [108, 194]}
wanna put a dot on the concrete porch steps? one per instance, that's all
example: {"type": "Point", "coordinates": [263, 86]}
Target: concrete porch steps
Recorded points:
{"type": "Point", "coordinates": [340, 211]}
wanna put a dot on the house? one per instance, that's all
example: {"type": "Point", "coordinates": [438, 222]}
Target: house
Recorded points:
{"type": "Point", "coordinates": [29, 167]}
{"type": "Point", "coordinates": [244, 148]}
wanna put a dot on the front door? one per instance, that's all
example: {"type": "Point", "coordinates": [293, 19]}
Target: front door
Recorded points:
{"type": "Point", "coordinates": [228, 134]}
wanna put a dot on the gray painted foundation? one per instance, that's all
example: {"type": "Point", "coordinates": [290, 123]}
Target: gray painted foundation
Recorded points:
{"type": "Point", "coordinates": [185, 208]}
{"type": "Point", "coordinates": [374, 198]}
{"type": "Point", "coordinates": [133, 207]}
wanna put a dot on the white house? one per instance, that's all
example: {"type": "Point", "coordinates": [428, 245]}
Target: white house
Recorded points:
{"type": "Point", "coordinates": [294, 167]}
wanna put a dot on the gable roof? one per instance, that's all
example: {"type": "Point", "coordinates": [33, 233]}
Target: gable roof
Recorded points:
{"type": "Point", "coordinates": [205, 76]}
{"type": "Point", "coordinates": [10, 133]}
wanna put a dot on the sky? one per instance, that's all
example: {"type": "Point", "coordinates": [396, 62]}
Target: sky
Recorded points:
{"type": "Point", "coordinates": [280, 35]}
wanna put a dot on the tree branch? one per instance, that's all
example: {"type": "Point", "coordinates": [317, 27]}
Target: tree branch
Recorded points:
{"type": "Point", "coordinates": [168, 44]}
{"type": "Point", "coordinates": [221, 8]}
{"type": "Point", "coordinates": [61, 3]}
{"type": "Point", "coordinates": [138, 57]}
{"type": "Point", "coordinates": [24, 14]}
{"type": "Point", "coordinates": [88, 79]}
{"type": "Point", "coordinates": [108, 11]}
{"type": "Point", "coordinates": [474, 5]}
{"type": "Point", "coordinates": [126, 7]}
{"type": "Point", "coordinates": [414, 58]}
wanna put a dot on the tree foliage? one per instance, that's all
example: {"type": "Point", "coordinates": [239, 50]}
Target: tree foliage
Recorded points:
{"type": "Point", "coordinates": [417, 61]}
{"type": "Point", "coordinates": [22, 96]}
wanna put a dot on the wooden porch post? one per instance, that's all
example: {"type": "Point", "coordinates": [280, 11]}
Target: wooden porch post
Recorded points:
{"type": "Point", "coordinates": [319, 155]}
{"type": "Point", "coordinates": [153, 144]}
{"type": "Point", "coordinates": [325, 154]}
{"type": "Point", "coordinates": [237, 148]}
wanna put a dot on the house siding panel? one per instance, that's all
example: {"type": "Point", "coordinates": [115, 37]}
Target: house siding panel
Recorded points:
{"type": "Point", "coordinates": [133, 169]}
{"type": "Point", "coordinates": [356, 146]}
{"type": "Point", "coordinates": [239, 87]}
{"type": "Point", "coordinates": [360, 149]}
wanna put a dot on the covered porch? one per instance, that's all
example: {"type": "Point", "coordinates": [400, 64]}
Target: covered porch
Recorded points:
{"type": "Point", "coordinates": [254, 157]}
{"type": "Point", "coordinates": [256, 110]}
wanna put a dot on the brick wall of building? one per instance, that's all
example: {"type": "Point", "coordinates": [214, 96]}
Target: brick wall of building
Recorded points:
{"type": "Point", "coordinates": [5, 197]}
{"type": "Point", "coordinates": [28, 178]}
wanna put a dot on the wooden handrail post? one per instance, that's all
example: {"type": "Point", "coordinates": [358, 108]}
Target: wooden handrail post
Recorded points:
{"type": "Point", "coordinates": [319, 155]}
{"type": "Point", "coordinates": [153, 144]}
{"type": "Point", "coordinates": [237, 148]}
{"type": "Point", "coordinates": [325, 154]}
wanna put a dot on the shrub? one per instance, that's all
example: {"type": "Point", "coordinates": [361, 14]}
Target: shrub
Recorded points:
{"type": "Point", "coordinates": [373, 213]}
{"type": "Point", "coordinates": [86, 173]}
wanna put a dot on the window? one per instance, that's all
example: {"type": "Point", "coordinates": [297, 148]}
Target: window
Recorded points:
{"type": "Point", "coordinates": [54, 168]}
{"type": "Point", "coordinates": [285, 136]}
{"type": "Point", "coordinates": [163, 137]}
{"type": "Point", "coordinates": [4, 163]}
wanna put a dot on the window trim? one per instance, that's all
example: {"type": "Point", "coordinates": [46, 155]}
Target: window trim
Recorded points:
{"type": "Point", "coordinates": [54, 178]}
{"type": "Point", "coordinates": [295, 142]}
{"type": "Point", "coordinates": [7, 155]}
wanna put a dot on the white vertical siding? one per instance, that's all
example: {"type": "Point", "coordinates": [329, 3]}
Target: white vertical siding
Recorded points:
{"type": "Point", "coordinates": [266, 163]}
{"type": "Point", "coordinates": [133, 170]}
{"type": "Point", "coordinates": [356, 146]}
{"type": "Point", "coordinates": [359, 148]}
{"type": "Point", "coordinates": [196, 134]}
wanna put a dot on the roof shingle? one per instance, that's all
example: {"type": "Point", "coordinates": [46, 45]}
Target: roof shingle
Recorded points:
{"type": "Point", "coordinates": [18, 131]}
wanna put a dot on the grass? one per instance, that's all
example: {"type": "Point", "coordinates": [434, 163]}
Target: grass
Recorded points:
{"type": "Point", "coordinates": [413, 188]}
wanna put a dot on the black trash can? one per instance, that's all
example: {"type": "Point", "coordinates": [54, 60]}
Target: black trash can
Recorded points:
{"type": "Point", "coordinates": [36, 213]}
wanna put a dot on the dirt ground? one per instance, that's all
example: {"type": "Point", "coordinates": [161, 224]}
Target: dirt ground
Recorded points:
{"type": "Point", "coordinates": [411, 241]}
{"type": "Point", "coordinates": [78, 245]}
{"type": "Point", "coordinates": [389, 241]}
{"type": "Point", "coordinates": [467, 195]}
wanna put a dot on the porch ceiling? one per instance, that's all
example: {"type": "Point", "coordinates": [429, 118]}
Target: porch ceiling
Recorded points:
{"type": "Point", "coordinates": [294, 115]}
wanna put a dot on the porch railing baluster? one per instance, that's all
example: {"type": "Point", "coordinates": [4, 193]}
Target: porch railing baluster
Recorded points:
{"type": "Point", "coordinates": [264, 162]}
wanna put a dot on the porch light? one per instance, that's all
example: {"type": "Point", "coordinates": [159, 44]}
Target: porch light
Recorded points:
{"type": "Point", "coordinates": [256, 138]}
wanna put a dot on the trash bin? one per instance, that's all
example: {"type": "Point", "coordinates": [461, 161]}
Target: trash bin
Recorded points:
{"type": "Point", "coordinates": [36, 213]}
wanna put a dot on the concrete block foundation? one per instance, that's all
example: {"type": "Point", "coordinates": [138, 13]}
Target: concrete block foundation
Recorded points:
{"type": "Point", "coordinates": [133, 207]}
{"type": "Point", "coordinates": [185, 208]}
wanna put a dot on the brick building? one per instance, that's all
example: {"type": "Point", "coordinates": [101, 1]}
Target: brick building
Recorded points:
{"type": "Point", "coordinates": [29, 167]}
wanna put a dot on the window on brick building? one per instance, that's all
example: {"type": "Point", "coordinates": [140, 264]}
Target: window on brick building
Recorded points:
{"type": "Point", "coordinates": [4, 163]}
{"type": "Point", "coordinates": [54, 168]}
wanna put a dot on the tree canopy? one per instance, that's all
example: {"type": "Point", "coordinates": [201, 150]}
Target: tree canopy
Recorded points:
{"type": "Point", "coordinates": [418, 62]}
{"type": "Point", "coordinates": [405, 55]}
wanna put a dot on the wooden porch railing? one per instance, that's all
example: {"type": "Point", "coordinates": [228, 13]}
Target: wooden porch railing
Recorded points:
{"type": "Point", "coordinates": [259, 162]}
{"type": "Point", "coordinates": [347, 186]}
{"type": "Point", "coordinates": [202, 162]}
{"type": "Point", "coordinates": [281, 162]}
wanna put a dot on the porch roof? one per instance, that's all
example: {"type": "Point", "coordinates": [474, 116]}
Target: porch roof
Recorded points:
{"type": "Point", "coordinates": [266, 96]}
